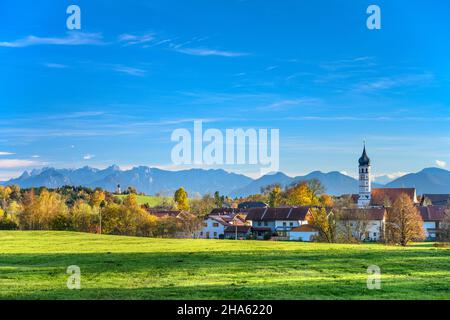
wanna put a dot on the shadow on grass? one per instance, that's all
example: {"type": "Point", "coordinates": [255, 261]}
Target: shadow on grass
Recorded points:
{"type": "Point", "coordinates": [287, 274]}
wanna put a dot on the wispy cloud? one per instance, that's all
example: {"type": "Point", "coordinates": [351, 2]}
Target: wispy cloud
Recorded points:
{"type": "Point", "coordinates": [4, 153]}
{"type": "Point", "coordinates": [16, 163]}
{"type": "Point", "coordinates": [441, 164]}
{"type": "Point", "coordinates": [291, 102]}
{"type": "Point", "coordinates": [88, 157]}
{"type": "Point", "coordinates": [71, 39]}
{"type": "Point", "coordinates": [131, 39]}
{"type": "Point", "coordinates": [208, 52]}
{"type": "Point", "coordinates": [130, 70]}
{"type": "Point", "coordinates": [55, 65]}
{"type": "Point", "coordinates": [385, 83]}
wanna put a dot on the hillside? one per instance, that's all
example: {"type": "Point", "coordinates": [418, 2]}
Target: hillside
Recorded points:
{"type": "Point", "coordinates": [429, 180]}
{"type": "Point", "coordinates": [34, 264]}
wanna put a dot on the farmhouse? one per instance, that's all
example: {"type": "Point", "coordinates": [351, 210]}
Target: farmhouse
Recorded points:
{"type": "Point", "coordinates": [277, 221]}
{"type": "Point", "coordinates": [432, 216]}
{"type": "Point", "coordinates": [366, 224]}
{"type": "Point", "coordinates": [435, 199]}
{"type": "Point", "coordinates": [214, 225]}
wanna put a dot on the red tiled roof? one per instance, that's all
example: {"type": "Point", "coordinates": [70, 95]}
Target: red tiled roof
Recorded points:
{"type": "Point", "coordinates": [164, 213]}
{"type": "Point", "coordinates": [370, 213]}
{"type": "Point", "coordinates": [220, 211]}
{"type": "Point", "coordinates": [304, 228]}
{"type": "Point", "coordinates": [268, 214]}
{"type": "Point", "coordinates": [391, 194]}
{"type": "Point", "coordinates": [432, 213]}
{"type": "Point", "coordinates": [438, 199]}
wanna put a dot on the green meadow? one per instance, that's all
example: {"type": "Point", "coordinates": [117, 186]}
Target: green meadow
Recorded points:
{"type": "Point", "coordinates": [33, 265]}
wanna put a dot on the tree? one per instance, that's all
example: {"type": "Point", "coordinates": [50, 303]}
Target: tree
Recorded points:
{"type": "Point", "coordinates": [300, 195]}
{"type": "Point", "coordinates": [219, 200]}
{"type": "Point", "coordinates": [181, 199]}
{"type": "Point", "coordinates": [48, 211]}
{"type": "Point", "coordinates": [325, 222]}
{"type": "Point", "coordinates": [5, 193]}
{"type": "Point", "coordinates": [97, 198]}
{"type": "Point", "coordinates": [202, 207]}
{"type": "Point", "coordinates": [85, 218]}
{"type": "Point", "coordinates": [275, 196]}
{"type": "Point", "coordinates": [403, 222]}
{"type": "Point", "coordinates": [316, 187]}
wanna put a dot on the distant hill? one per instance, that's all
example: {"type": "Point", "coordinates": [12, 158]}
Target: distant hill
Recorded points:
{"type": "Point", "coordinates": [198, 181]}
{"type": "Point", "coordinates": [429, 180]}
{"type": "Point", "coordinates": [144, 179]}
{"type": "Point", "coordinates": [335, 183]}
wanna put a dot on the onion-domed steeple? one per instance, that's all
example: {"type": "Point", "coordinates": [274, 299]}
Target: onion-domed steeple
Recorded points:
{"type": "Point", "coordinates": [364, 160]}
{"type": "Point", "coordinates": [365, 184]}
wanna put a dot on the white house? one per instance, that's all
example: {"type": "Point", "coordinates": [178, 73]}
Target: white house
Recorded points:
{"type": "Point", "coordinates": [276, 221]}
{"type": "Point", "coordinates": [303, 233]}
{"type": "Point", "coordinates": [431, 216]}
{"type": "Point", "coordinates": [214, 226]}
{"type": "Point", "coordinates": [366, 223]}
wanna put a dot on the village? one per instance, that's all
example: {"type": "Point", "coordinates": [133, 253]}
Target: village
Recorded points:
{"type": "Point", "coordinates": [364, 216]}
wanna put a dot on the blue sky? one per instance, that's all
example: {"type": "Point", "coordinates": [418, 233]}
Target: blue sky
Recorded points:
{"type": "Point", "coordinates": [112, 92]}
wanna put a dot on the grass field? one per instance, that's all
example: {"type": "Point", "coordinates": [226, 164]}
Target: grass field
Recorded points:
{"type": "Point", "coordinates": [33, 266]}
{"type": "Point", "coordinates": [152, 201]}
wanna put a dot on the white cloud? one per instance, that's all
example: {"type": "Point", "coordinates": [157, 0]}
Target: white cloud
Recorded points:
{"type": "Point", "coordinates": [16, 163]}
{"type": "Point", "coordinates": [55, 65]}
{"type": "Point", "coordinates": [441, 164]}
{"type": "Point", "coordinates": [4, 153]}
{"type": "Point", "coordinates": [209, 52]}
{"type": "Point", "coordinates": [88, 156]}
{"type": "Point", "coordinates": [35, 156]}
{"type": "Point", "coordinates": [292, 102]}
{"type": "Point", "coordinates": [131, 39]}
{"type": "Point", "coordinates": [71, 39]}
{"type": "Point", "coordinates": [130, 71]}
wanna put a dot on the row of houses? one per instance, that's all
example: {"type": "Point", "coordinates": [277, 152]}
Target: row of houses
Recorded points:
{"type": "Point", "coordinates": [291, 223]}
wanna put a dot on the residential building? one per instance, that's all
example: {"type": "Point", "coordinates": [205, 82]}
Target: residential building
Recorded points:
{"type": "Point", "coordinates": [367, 224]}
{"type": "Point", "coordinates": [240, 232]}
{"type": "Point", "coordinates": [432, 216]}
{"type": "Point", "coordinates": [276, 221]}
{"type": "Point", "coordinates": [305, 233]}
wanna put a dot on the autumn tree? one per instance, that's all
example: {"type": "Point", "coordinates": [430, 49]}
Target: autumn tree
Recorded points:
{"type": "Point", "coordinates": [275, 196]}
{"type": "Point", "coordinates": [202, 207]}
{"type": "Point", "coordinates": [5, 193]}
{"type": "Point", "coordinates": [403, 222]}
{"type": "Point", "coordinates": [300, 195]}
{"type": "Point", "coordinates": [324, 222]}
{"type": "Point", "coordinates": [181, 199]}
{"type": "Point", "coordinates": [84, 218]}
{"type": "Point", "coordinates": [47, 212]}
{"type": "Point", "coordinates": [97, 198]}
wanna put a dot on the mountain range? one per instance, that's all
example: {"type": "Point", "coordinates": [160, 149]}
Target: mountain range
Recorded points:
{"type": "Point", "coordinates": [199, 181]}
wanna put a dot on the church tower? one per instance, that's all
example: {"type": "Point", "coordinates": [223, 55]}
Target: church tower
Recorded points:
{"type": "Point", "coordinates": [365, 187]}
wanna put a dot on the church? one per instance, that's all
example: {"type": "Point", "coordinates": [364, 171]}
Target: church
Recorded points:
{"type": "Point", "coordinates": [368, 197]}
